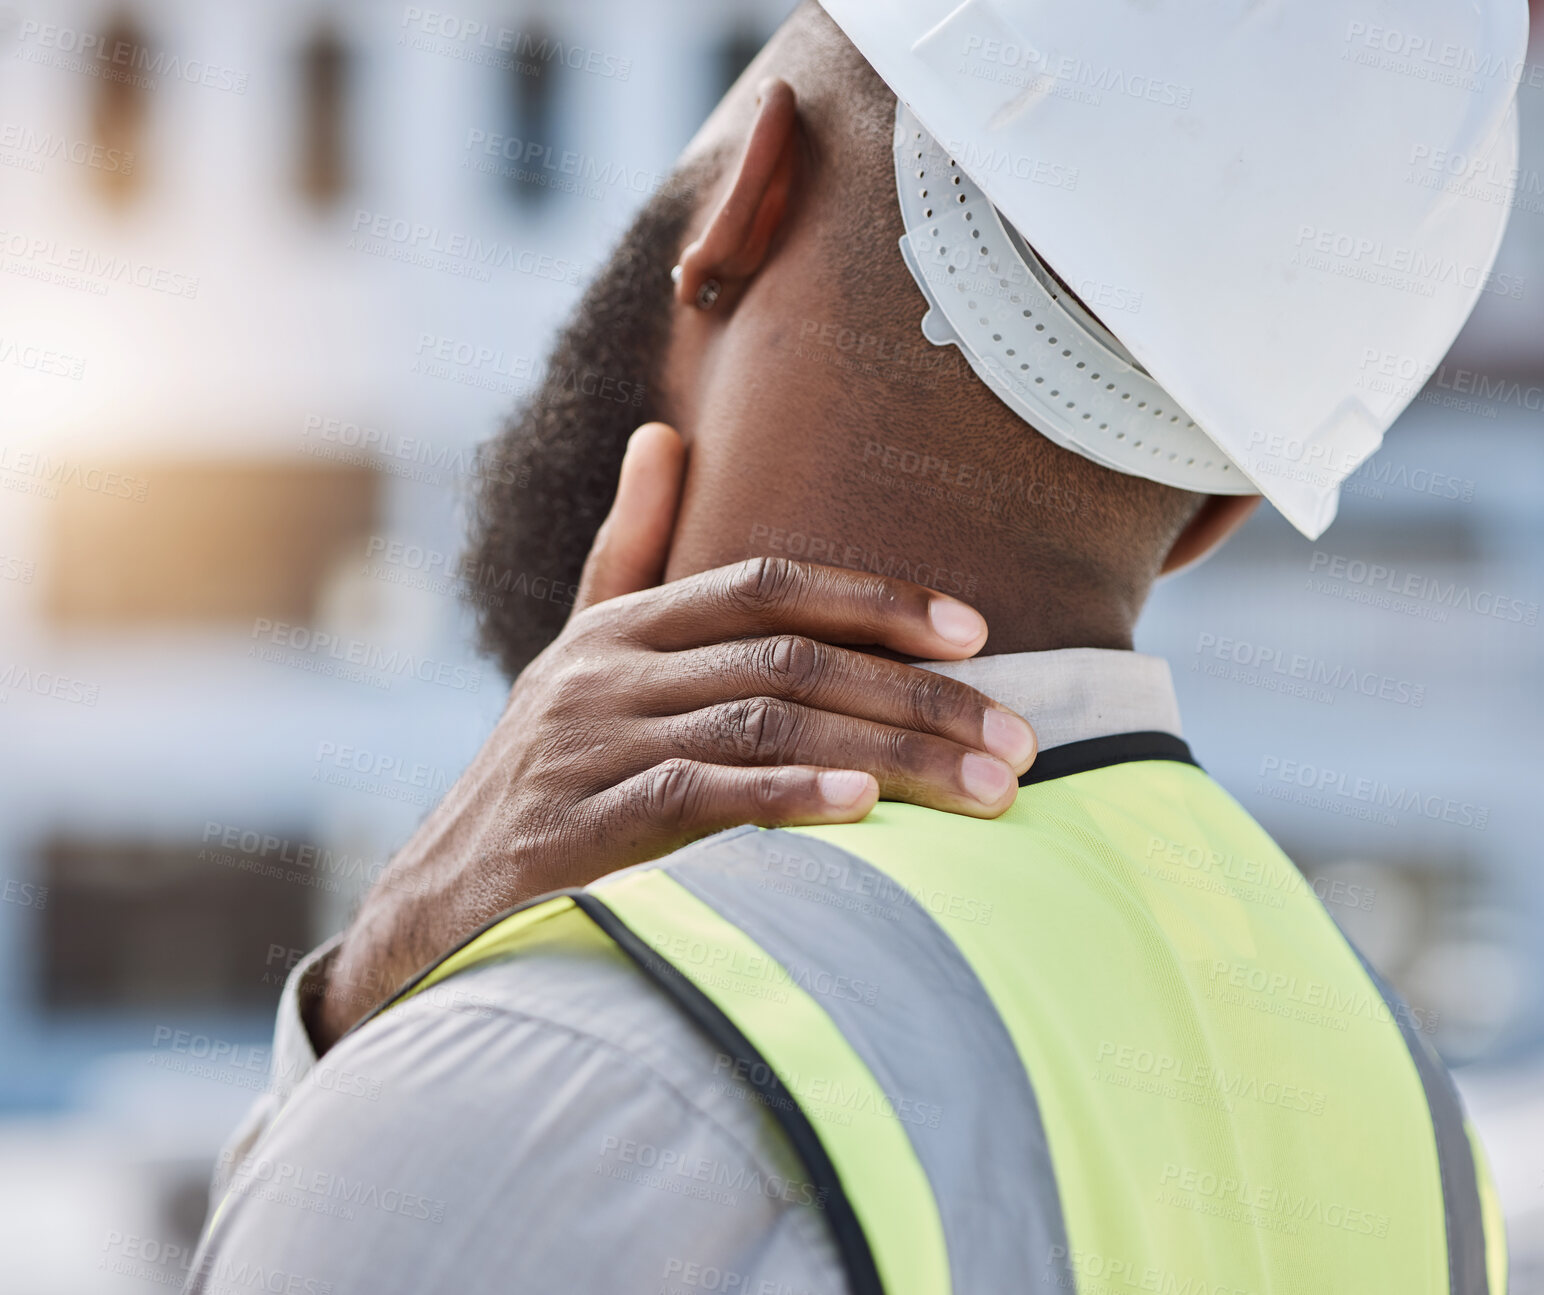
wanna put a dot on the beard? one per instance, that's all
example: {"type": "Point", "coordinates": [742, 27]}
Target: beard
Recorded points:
{"type": "Point", "coordinates": [547, 480]}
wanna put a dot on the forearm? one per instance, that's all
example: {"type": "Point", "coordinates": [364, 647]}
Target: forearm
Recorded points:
{"type": "Point", "coordinates": [467, 862]}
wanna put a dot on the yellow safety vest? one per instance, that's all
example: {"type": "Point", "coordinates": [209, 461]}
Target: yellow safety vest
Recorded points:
{"type": "Point", "coordinates": [1108, 1042]}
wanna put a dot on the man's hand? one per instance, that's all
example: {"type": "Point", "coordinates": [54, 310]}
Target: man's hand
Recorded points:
{"type": "Point", "coordinates": [663, 714]}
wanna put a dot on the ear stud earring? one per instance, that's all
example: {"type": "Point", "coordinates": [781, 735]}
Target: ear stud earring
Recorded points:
{"type": "Point", "coordinates": [707, 295]}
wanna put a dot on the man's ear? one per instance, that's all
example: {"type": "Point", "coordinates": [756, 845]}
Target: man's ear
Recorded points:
{"type": "Point", "coordinates": [734, 245]}
{"type": "Point", "coordinates": [1219, 517]}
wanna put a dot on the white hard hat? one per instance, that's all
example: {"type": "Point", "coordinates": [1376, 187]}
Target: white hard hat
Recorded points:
{"type": "Point", "coordinates": [1236, 190]}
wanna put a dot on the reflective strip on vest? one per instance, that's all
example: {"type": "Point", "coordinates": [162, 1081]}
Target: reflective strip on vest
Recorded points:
{"type": "Point", "coordinates": [877, 1170]}
{"type": "Point", "coordinates": [887, 985]}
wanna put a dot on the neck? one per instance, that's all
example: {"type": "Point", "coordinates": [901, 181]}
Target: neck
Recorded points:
{"type": "Point", "coordinates": [1041, 620]}
{"type": "Point", "coordinates": [1035, 597]}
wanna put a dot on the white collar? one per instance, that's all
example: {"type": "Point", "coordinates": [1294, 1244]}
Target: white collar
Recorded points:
{"type": "Point", "coordinates": [1075, 693]}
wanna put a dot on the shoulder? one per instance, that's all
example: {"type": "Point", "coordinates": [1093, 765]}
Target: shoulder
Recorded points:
{"type": "Point", "coordinates": [503, 1122]}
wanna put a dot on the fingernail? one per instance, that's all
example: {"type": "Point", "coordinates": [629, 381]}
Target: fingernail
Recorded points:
{"type": "Point", "coordinates": [842, 788]}
{"type": "Point", "coordinates": [955, 621]}
{"type": "Point", "coordinates": [987, 780]}
{"type": "Point", "coordinates": [1007, 736]}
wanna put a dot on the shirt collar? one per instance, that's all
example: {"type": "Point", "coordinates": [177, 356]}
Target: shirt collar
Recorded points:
{"type": "Point", "coordinates": [1073, 694]}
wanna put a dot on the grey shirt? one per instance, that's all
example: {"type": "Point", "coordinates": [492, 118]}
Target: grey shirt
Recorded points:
{"type": "Point", "coordinates": [553, 1123]}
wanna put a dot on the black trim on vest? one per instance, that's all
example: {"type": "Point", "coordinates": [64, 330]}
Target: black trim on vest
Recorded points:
{"type": "Point", "coordinates": [857, 1258]}
{"type": "Point", "coordinates": [852, 1243]}
{"type": "Point", "coordinates": [1102, 752]}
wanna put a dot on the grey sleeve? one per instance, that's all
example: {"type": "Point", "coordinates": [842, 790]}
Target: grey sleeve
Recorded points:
{"type": "Point", "coordinates": [291, 1061]}
{"type": "Point", "coordinates": [548, 1124]}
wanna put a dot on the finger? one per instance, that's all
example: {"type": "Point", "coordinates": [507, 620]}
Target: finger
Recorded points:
{"type": "Point", "coordinates": [909, 766]}
{"type": "Point", "coordinates": [633, 542]}
{"type": "Point", "coordinates": [775, 595]}
{"type": "Point", "coordinates": [679, 800]}
{"type": "Point", "coordinates": [838, 680]}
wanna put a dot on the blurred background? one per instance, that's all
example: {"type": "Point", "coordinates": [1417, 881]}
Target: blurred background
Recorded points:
{"type": "Point", "coordinates": [269, 279]}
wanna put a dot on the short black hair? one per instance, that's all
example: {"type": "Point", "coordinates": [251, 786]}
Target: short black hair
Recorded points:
{"type": "Point", "coordinates": [551, 473]}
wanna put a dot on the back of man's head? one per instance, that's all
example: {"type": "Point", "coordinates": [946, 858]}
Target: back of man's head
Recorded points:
{"type": "Point", "coordinates": [809, 399]}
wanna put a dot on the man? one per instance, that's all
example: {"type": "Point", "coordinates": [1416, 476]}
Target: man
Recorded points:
{"type": "Point", "coordinates": [992, 1039]}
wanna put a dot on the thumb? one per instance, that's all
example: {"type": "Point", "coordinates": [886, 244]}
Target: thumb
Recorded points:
{"type": "Point", "coordinates": [633, 542]}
